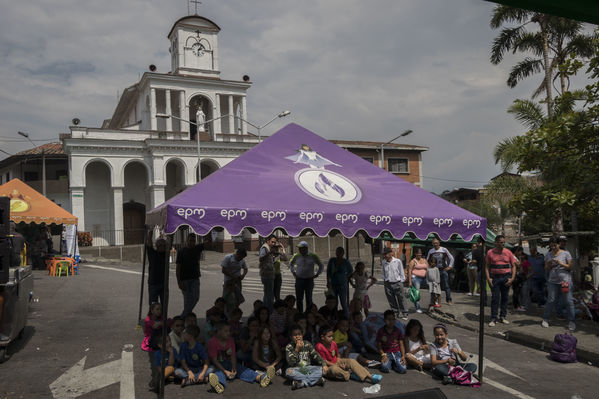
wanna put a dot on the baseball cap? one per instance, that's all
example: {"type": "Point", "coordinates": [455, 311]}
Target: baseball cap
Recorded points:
{"type": "Point", "coordinates": [563, 238]}
{"type": "Point", "coordinates": [386, 250]}
{"type": "Point", "coordinates": [302, 244]}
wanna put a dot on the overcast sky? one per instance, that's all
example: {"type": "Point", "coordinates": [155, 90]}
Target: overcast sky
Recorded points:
{"type": "Point", "coordinates": [347, 69]}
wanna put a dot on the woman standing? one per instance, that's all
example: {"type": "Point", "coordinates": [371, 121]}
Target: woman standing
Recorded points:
{"type": "Point", "coordinates": [559, 264]}
{"type": "Point", "coordinates": [417, 274]}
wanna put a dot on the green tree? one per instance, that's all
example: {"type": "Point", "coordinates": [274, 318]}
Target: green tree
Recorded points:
{"type": "Point", "coordinates": [549, 43]}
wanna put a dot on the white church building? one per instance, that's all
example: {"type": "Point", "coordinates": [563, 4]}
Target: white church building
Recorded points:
{"type": "Point", "coordinates": [148, 151]}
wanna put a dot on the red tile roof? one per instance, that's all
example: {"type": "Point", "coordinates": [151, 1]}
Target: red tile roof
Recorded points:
{"type": "Point", "coordinates": [49, 149]}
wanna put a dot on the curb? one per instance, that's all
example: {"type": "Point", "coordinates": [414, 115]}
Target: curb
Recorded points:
{"type": "Point", "coordinates": [584, 356]}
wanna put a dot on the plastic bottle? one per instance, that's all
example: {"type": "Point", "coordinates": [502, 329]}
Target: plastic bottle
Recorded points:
{"type": "Point", "coordinates": [372, 389]}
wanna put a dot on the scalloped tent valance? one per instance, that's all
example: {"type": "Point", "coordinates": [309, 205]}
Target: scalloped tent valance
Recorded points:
{"type": "Point", "coordinates": [295, 180]}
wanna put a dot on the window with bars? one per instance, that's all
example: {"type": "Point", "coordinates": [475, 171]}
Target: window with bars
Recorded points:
{"type": "Point", "coordinates": [398, 165]}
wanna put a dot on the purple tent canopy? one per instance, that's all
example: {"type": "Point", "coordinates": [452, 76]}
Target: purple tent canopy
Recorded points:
{"type": "Point", "coordinates": [296, 180]}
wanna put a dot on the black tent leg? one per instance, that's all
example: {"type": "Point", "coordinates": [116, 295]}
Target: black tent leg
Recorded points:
{"type": "Point", "coordinates": [143, 276]}
{"type": "Point", "coordinates": [481, 316]}
{"type": "Point", "coordinates": [165, 293]}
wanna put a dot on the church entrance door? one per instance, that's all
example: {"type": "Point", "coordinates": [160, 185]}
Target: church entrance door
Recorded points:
{"type": "Point", "coordinates": [133, 222]}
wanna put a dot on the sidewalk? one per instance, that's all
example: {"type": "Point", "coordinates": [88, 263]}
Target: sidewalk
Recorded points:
{"type": "Point", "coordinates": [524, 328]}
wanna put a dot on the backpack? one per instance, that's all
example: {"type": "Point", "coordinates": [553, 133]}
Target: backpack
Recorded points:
{"type": "Point", "coordinates": [564, 348]}
{"type": "Point", "coordinates": [462, 377]}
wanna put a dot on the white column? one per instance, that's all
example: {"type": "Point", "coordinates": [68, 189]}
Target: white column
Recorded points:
{"type": "Point", "coordinates": [183, 112]}
{"type": "Point", "coordinates": [244, 126]}
{"type": "Point", "coordinates": [78, 206]}
{"type": "Point", "coordinates": [157, 195]}
{"type": "Point", "coordinates": [218, 123]}
{"type": "Point", "coordinates": [231, 116]}
{"type": "Point", "coordinates": [153, 124]}
{"type": "Point", "coordinates": [117, 196]}
{"type": "Point", "coordinates": [168, 110]}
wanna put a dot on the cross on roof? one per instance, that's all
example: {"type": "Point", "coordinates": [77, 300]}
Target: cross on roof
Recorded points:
{"type": "Point", "coordinates": [195, 3]}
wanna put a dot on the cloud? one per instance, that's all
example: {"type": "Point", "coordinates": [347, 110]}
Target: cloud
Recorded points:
{"type": "Point", "coordinates": [345, 68]}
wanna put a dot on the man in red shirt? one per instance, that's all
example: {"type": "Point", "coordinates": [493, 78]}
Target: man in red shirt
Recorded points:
{"type": "Point", "coordinates": [341, 369]}
{"type": "Point", "coordinates": [501, 271]}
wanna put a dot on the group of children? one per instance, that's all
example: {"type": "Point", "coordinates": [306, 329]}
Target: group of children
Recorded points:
{"type": "Point", "coordinates": [305, 348]}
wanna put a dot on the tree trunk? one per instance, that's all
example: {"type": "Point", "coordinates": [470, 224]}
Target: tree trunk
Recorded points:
{"type": "Point", "coordinates": [547, 65]}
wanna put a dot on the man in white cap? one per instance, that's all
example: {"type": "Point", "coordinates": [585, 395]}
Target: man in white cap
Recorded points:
{"type": "Point", "coordinates": [302, 267]}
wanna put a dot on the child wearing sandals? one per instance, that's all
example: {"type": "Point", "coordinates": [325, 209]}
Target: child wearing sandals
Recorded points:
{"type": "Point", "coordinates": [445, 353]}
{"type": "Point", "coordinates": [221, 349]}
{"type": "Point", "coordinates": [433, 279]}
{"type": "Point", "coordinates": [417, 351]}
{"type": "Point", "coordinates": [361, 282]}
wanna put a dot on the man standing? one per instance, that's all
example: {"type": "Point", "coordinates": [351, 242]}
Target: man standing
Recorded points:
{"type": "Point", "coordinates": [232, 266]}
{"type": "Point", "coordinates": [338, 271]}
{"type": "Point", "coordinates": [156, 265]}
{"type": "Point", "coordinates": [188, 273]}
{"type": "Point", "coordinates": [269, 253]}
{"type": "Point", "coordinates": [501, 271]}
{"type": "Point", "coordinates": [444, 263]}
{"type": "Point", "coordinates": [302, 268]}
{"type": "Point", "coordinates": [394, 277]}
{"type": "Point", "coordinates": [539, 280]}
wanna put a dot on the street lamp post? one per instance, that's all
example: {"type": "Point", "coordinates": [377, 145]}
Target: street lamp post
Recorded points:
{"type": "Point", "coordinates": [26, 135]}
{"type": "Point", "coordinates": [389, 142]}
{"type": "Point", "coordinates": [259, 128]}
{"type": "Point", "coordinates": [197, 135]}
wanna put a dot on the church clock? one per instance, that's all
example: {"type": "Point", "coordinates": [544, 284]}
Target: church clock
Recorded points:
{"type": "Point", "coordinates": [198, 49]}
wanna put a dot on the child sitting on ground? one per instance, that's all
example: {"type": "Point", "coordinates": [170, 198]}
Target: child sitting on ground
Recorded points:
{"type": "Point", "coordinates": [221, 349]}
{"type": "Point", "coordinates": [256, 306]}
{"type": "Point", "coordinates": [341, 339]}
{"type": "Point", "coordinates": [266, 352]}
{"type": "Point", "coordinates": [355, 332]}
{"type": "Point", "coordinates": [152, 325]}
{"type": "Point", "coordinates": [176, 334]}
{"type": "Point", "coordinates": [291, 311]}
{"type": "Point", "coordinates": [417, 351]}
{"type": "Point", "coordinates": [245, 344]}
{"type": "Point", "coordinates": [433, 279]}
{"type": "Point", "coordinates": [329, 311]}
{"type": "Point", "coordinates": [311, 333]}
{"type": "Point", "coordinates": [193, 358]}
{"type": "Point", "coordinates": [340, 368]}
{"type": "Point", "coordinates": [171, 361]}
{"type": "Point", "coordinates": [446, 353]}
{"type": "Point", "coordinates": [390, 345]}
{"type": "Point", "coordinates": [278, 319]}
{"type": "Point", "coordinates": [235, 323]}
{"type": "Point", "coordinates": [305, 367]}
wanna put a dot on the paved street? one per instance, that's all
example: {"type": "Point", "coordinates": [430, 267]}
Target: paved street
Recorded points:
{"type": "Point", "coordinates": [94, 316]}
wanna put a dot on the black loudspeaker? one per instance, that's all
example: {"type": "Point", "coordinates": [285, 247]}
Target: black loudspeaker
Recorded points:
{"type": "Point", "coordinates": [4, 260]}
{"type": "Point", "coordinates": [4, 217]}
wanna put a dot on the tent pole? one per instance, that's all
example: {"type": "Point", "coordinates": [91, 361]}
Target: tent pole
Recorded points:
{"type": "Point", "coordinates": [143, 275]}
{"type": "Point", "coordinates": [164, 315]}
{"type": "Point", "coordinates": [372, 254]}
{"type": "Point", "coordinates": [346, 248]}
{"type": "Point", "coordinates": [481, 317]}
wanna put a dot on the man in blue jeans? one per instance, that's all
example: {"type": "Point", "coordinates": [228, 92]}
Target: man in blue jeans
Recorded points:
{"type": "Point", "coordinates": [188, 273]}
{"type": "Point", "coordinates": [338, 271]}
{"type": "Point", "coordinates": [302, 265]}
{"type": "Point", "coordinates": [538, 280]}
{"type": "Point", "coordinates": [444, 263]}
{"type": "Point", "coordinates": [501, 271]}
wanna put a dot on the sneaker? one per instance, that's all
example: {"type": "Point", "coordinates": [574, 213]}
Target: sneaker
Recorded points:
{"type": "Point", "coordinates": [217, 386]}
{"type": "Point", "coordinates": [504, 321]}
{"type": "Point", "coordinates": [492, 323]}
{"type": "Point", "coordinates": [296, 385]}
{"type": "Point", "coordinates": [447, 380]}
{"type": "Point", "coordinates": [571, 326]}
{"type": "Point", "coordinates": [469, 294]}
{"type": "Point", "coordinates": [405, 317]}
{"type": "Point", "coordinates": [418, 310]}
{"type": "Point", "coordinates": [376, 378]}
{"type": "Point", "coordinates": [320, 382]}
{"type": "Point", "coordinates": [544, 324]}
{"type": "Point", "coordinates": [270, 372]}
{"type": "Point", "coordinates": [373, 363]}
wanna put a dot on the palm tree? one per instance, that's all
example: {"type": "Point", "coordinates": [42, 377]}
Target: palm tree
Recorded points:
{"type": "Point", "coordinates": [556, 39]}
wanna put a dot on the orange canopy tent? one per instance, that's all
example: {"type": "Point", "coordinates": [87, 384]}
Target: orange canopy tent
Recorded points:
{"type": "Point", "coordinates": [29, 206]}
